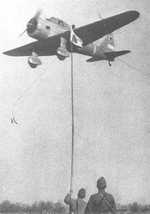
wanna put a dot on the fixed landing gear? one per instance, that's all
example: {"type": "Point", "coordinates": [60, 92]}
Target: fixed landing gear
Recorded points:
{"type": "Point", "coordinates": [60, 57]}
{"type": "Point", "coordinates": [109, 63]}
{"type": "Point", "coordinates": [33, 60]}
{"type": "Point", "coordinates": [62, 51]}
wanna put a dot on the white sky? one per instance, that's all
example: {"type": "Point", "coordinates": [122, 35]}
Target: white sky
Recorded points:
{"type": "Point", "coordinates": [111, 109]}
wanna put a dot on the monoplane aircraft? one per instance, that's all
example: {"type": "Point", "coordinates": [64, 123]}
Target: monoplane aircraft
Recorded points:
{"type": "Point", "coordinates": [55, 37]}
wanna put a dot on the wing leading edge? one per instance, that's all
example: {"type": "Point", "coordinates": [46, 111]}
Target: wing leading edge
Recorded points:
{"type": "Point", "coordinates": [46, 47]}
{"type": "Point", "coordinates": [97, 30]}
{"type": "Point", "coordinates": [88, 33]}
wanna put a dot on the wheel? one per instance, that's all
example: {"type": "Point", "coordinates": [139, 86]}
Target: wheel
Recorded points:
{"type": "Point", "coordinates": [32, 65]}
{"type": "Point", "coordinates": [34, 61]}
{"type": "Point", "coordinates": [61, 57]}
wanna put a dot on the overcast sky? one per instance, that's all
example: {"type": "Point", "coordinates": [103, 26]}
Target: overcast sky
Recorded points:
{"type": "Point", "coordinates": [112, 109]}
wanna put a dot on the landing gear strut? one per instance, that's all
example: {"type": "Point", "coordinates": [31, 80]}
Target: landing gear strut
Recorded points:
{"type": "Point", "coordinates": [33, 60]}
{"type": "Point", "coordinates": [109, 63]}
{"type": "Point", "coordinates": [62, 51]}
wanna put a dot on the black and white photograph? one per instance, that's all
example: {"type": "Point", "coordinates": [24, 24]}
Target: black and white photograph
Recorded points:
{"type": "Point", "coordinates": [75, 107]}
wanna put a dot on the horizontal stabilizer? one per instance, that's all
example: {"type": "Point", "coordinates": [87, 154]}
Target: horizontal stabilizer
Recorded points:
{"type": "Point", "coordinates": [93, 59]}
{"type": "Point", "coordinates": [114, 54]}
{"type": "Point", "coordinates": [110, 55]}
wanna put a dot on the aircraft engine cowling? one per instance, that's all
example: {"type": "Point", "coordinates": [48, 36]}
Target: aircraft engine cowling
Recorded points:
{"type": "Point", "coordinates": [32, 25]}
{"type": "Point", "coordinates": [34, 61]}
{"type": "Point", "coordinates": [38, 27]}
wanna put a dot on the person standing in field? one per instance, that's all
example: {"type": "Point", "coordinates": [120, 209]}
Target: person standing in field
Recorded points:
{"type": "Point", "coordinates": [78, 205]}
{"type": "Point", "coordinates": [101, 202]}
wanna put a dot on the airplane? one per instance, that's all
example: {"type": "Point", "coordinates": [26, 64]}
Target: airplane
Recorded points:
{"type": "Point", "coordinates": [56, 37]}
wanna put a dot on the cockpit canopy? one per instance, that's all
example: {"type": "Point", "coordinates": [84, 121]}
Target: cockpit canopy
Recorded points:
{"type": "Point", "coordinates": [58, 22]}
{"type": "Point", "coordinates": [40, 28]}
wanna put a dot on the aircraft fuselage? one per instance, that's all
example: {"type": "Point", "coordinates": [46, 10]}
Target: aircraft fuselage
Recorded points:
{"type": "Point", "coordinates": [93, 50]}
{"type": "Point", "coordinates": [44, 28]}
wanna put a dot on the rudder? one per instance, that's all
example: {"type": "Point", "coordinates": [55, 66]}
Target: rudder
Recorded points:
{"type": "Point", "coordinates": [108, 43]}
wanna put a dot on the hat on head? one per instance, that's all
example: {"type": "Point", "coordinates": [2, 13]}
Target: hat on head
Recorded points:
{"type": "Point", "coordinates": [101, 183]}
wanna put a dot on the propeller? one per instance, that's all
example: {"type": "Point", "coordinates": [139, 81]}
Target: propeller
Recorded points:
{"type": "Point", "coordinates": [38, 14]}
{"type": "Point", "coordinates": [35, 17]}
{"type": "Point", "coordinates": [21, 34]}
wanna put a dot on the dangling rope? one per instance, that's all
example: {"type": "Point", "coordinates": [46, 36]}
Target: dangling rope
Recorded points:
{"type": "Point", "coordinates": [72, 124]}
{"type": "Point", "coordinates": [74, 40]}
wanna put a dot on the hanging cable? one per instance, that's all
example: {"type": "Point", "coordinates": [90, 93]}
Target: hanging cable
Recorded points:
{"type": "Point", "coordinates": [72, 123]}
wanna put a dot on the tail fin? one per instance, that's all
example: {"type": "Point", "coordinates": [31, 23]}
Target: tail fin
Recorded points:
{"type": "Point", "coordinates": [108, 43]}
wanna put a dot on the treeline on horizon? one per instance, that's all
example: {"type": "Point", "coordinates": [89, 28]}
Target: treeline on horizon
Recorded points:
{"type": "Point", "coordinates": [49, 207]}
{"type": "Point", "coordinates": [41, 207]}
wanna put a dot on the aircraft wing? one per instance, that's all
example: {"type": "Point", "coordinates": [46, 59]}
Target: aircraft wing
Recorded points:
{"type": "Point", "coordinates": [88, 33]}
{"type": "Point", "coordinates": [97, 30]}
{"type": "Point", "coordinates": [46, 47]}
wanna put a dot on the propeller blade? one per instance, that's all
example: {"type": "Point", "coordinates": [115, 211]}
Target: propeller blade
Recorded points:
{"type": "Point", "coordinates": [23, 33]}
{"type": "Point", "coordinates": [38, 14]}
{"type": "Point", "coordinates": [35, 17]}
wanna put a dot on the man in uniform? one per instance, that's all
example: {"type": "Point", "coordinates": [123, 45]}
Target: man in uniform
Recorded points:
{"type": "Point", "coordinates": [77, 206]}
{"type": "Point", "coordinates": [101, 202]}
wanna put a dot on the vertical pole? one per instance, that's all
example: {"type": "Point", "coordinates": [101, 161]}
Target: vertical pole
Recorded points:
{"type": "Point", "coordinates": [72, 125]}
